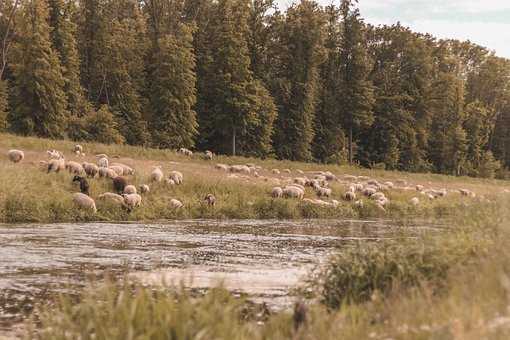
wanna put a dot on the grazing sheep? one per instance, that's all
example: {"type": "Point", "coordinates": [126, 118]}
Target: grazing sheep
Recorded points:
{"type": "Point", "coordinates": [90, 169]}
{"type": "Point", "coordinates": [377, 196]}
{"type": "Point", "coordinates": [176, 176]}
{"type": "Point", "coordinates": [144, 188]}
{"type": "Point", "coordinates": [240, 169]}
{"type": "Point", "coordinates": [359, 204]}
{"type": "Point", "coordinates": [130, 189]}
{"type": "Point", "coordinates": [84, 185]}
{"type": "Point", "coordinates": [293, 192]}
{"type": "Point", "coordinates": [102, 162]}
{"type": "Point", "coordinates": [419, 187]}
{"type": "Point", "coordinates": [350, 178]}
{"type": "Point", "coordinates": [277, 192]}
{"type": "Point", "coordinates": [112, 197]}
{"type": "Point", "coordinates": [301, 172]}
{"type": "Point", "coordinates": [466, 192]}
{"type": "Point", "coordinates": [350, 195]}
{"type": "Point", "coordinates": [78, 149]}
{"type": "Point", "coordinates": [126, 170]}
{"type": "Point", "coordinates": [323, 192]}
{"type": "Point", "coordinates": [208, 155]}
{"type": "Point", "coordinates": [363, 178]}
{"type": "Point", "coordinates": [54, 154]}
{"type": "Point", "coordinates": [210, 199]}
{"type": "Point", "coordinates": [185, 152]}
{"type": "Point", "coordinates": [373, 182]}
{"type": "Point", "coordinates": [369, 191]}
{"type": "Point", "coordinates": [157, 174]}
{"type": "Point", "coordinates": [297, 185]}
{"type": "Point", "coordinates": [118, 169]}
{"type": "Point", "coordinates": [301, 180]}
{"type": "Point", "coordinates": [74, 168]}
{"type": "Point", "coordinates": [389, 185]}
{"type": "Point", "coordinates": [170, 181]}
{"type": "Point", "coordinates": [275, 171]}
{"type": "Point", "coordinates": [119, 184]}
{"type": "Point", "coordinates": [15, 156]}
{"type": "Point", "coordinates": [107, 172]}
{"type": "Point", "coordinates": [84, 201]}
{"type": "Point", "coordinates": [175, 204]}
{"type": "Point", "coordinates": [286, 171]}
{"type": "Point", "coordinates": [330, 176]}
{"type": "Point", "coordinates": [102, 155]}
{"type": "Point", "coordinates": [415, 201]}
{"type": "Point", "coordinates": [223, 167]}
{"type": "Point", "coordinates": [55, 165]}
{"type": "Point", "coordinates": [401, 182]}
{"type": "Point", "coordinates": [335, 203]}
{"type": "Point", "coordinates": [132, 201]}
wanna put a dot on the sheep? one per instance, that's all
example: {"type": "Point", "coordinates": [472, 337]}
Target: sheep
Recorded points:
{"type": "Point", "coordinates": [275, 171]}
{"type": "Point", "coordinates": [300, 172]}
{"type": "Point", "coordinates": [223, 167]}
{"type": "Point", "coordinates": [419, 187]}
{"type": "Point", "coordinates": [390, 185]}
{"type": "Point", "coordinates": [377, 196]}
{"type": "Point", "coordinates": [175, 204]}
{"type": "Point", "coordinates": [335, 203]}
{"type": "Point", "coordinates": [78, 149]}
{"type": "Point", "coordinates": [118, 169]}
{"type": "Point", "coordinates": [208, 155]}
{"type": "Point", "coordinates": [401, 182]}
{"type": "Point", "coordinates": [330, 176]}
{"type": "Point", "coordinates": [15, 156]}
{"type": "Point", "coordinates": [170, 181]}
{"type": "Point", "coordinates": [350, 195]}
{"type": "Point", "coordinates": [84, 185]}
{"type": "Point", "coordinates": [132, 201]}
{"type": "Point", "coordinates": [176, 176]}
{"type": "Point", "coordinates": [129, 189]}
{"type": "Point", "coordinates": [126, 170]}
{"type": "Point", "coordinates": [241, 169]}
{"type": "Point", "coordinates": [286, 171]}
{"type": "Point", "coordinates": [415, 201]}
{"type": "Point", "coordinates": [157, 174]}
{"type": "Point", "coordinates": [107, 172]}
{"type": "Point", "coordinates": [293, 192]}
{"type": "Point", "coordinates": [277, 192]}
{"type": "Point", "coordinates": [119, 183]}
{"type": "Point", "coordinates": [359, 204]}
{"type": "Point", "coordinates": [210, 199]}
{"type": "Point", "coordinates": [102, 155]}
{"type": "Point", "coordinates": [90, 169]}
{"type": "Point", "coordinates": [300, 180]}
{"type": "Point", "coordinates": [55, 165]}
{"type": "Point", "coordinates": [112, 197]}
{"type": "Point", "coordinates": [185, 152]}
{"type": "Point", "coordinates": [102, 162]}
{"type": "Point", "coordinates": [144, 188]}
{"type": "Point", "coordinates": [54, 154]}
{"type": "Point", "coordinates": [466, 192]}
{"type": "Point", "coordinates": [369, 191]}
{"type": "Point", "coordinates": [74, 168]}
{"type": "Point", "coordinates": [323, 192]}
{"type": "Point", "coordinates": [84, 201]}
{"type": "Point", "coordinates": [297, 185]}
{"type": "Point", "coordinates": [350, 178]}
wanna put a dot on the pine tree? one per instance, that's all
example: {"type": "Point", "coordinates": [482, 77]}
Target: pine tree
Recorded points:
{"type": "Point", "coordinates": [296, 80]}
{"type": "Point", "coordinates": [329, 140]}
{"type": "Point", "coordinates": [39, 100]}
{"type": "Point", "coordinates": [63, 36]}
{"type": "Point", "coordinates": [172, 91]}
{"type": "Point", "coordinates": [356, 90]}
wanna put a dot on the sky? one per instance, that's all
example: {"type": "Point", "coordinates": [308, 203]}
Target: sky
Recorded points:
{"type": "Point", "coordinates": [484, 22]}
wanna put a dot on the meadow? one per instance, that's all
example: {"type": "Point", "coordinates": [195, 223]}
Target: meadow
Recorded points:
{"type": "Point", "coordinates": [28, 194]}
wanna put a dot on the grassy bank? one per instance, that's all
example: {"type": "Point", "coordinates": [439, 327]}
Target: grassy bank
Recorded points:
{"type": "Point", "coordinates": [28, 194]}
{"type": "Point", "coordinates": [452, 286]}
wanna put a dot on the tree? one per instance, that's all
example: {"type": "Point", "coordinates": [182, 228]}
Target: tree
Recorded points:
{"type": "Point", "coordinates": [296, 79]}
{"type": "Point", "coordinates": [3, 105]}
{"type": "Point", "coordinates": [63, 31]}
{"type": "Point", "coordinates": [357, 91]}
{"type": "Point", "coordinates": [39, 100]}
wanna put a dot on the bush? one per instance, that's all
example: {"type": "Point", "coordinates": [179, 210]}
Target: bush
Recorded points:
{"type": "Point", "coordinates": [98, 126]}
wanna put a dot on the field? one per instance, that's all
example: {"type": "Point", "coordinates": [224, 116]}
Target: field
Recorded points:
{"type": "Point", "coordinates": [454, 284]}
{"type": "Point", "coordinates": [28, 194]}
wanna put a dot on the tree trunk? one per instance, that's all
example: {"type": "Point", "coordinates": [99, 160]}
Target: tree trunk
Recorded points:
{"type": "Point", "coordinates": [233, 141]}
{"type": "Point", "coordinates": [350, 146]}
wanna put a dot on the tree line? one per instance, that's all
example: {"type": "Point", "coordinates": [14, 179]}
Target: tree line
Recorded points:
{"type": "Point", "coordinates": [310, 83]}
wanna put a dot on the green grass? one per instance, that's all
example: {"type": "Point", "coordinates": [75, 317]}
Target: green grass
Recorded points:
{"type": "Point", "coordinates": [454, 285]}
{"type": "Point", "coordinates": [27, 194]}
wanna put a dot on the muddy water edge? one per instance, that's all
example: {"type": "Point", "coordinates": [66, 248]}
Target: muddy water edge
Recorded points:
{"type": "Point", "coordinates": [263, 259]}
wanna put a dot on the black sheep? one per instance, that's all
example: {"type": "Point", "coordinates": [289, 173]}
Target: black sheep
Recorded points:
{"type": "Point", "coordinates": [84, 185]}
{"type": "Point", "coordinates": [119, 183]}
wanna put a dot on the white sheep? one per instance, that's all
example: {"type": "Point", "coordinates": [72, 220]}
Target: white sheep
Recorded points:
{"type": "Point", "coordinates": [130, 189]}
{"type": "Point", "coordinates": [330, 176]}
{"type": "Point", "coordinates": [323, 192]}
{"type": "Point", "coordinates": [377, 196]}
{"type": "Point", "coordinates": [293, 192]}
{"type": "Point", "coordinates": [103, 162]}
{"type": "Point", "coordinates": [277, 192]}
{"type": "Point", "coordinates": [350, 195]}
{"type": "Point", "coordinates": [78, 149]}
{"type": "Point", "coordinates": [359, 204]}
{"type": "Point", "coordinates": [55, 165]}
{"type": "Point", "coordinates": [116, 198]}
{"type": "Point", "coordinates": [176, 176]}
{"type": "Point", "coordinates": [175, 204]}
{"type": "Point", "coordinates": [107, 172]}
{"type": "Point", "coordinates": [223, 167]}
{"type": "Point", "coordinates": [240, 169]}
{"type": "Point", "coordinates": [90, 169]}
{"type": "Point", "coordinates": [389, 185]}
{"type": "Point", "coordinates": [132, 201]}
{"type": "Point", "coordinates": [74, 168]}
{"type": "Point", "coordinates": [208, 155]}
{"type": "Point", "coordinates": [54, 154]}
{"type": "Point", "coordinates": [275, 171]}
{"type": "Point", "coordinates": [126, 170]}
{"type": "Point", "coordinates": [419, 187]}
{"type": "Point", "coordinates": [118, 169]}
{"type": "Point", "coordinates": [157, 174]}
{"type": "Point", "coordinates": [301, 172]}
{"type": "Point", "coordinates": [415, 201]}
{"type": "Point", "coordinates": [286, 171]}
{"type": "Point", "coordinates": [185, 152]}
{"type": "Point", "coordinates": [169, 181]}
{"type": "Point", "coordinates": [84, 201]}
{"type": "Point", "coordinates": [15, 156]}
{"type": "Point", "coordinates": [369, 191]}
{"type": "Point", "coordinates": [301, 180]}
{"type": "Point", "coordinates": [144, 188]}
{"type": "Point", "coordinates": [101, 155]}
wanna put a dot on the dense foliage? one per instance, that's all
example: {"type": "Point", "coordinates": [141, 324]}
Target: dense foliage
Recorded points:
{"type": "Point", "coordinates": [312, 83]}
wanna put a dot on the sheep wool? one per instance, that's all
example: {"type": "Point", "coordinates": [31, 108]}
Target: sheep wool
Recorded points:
{"type": "Point", "coordinates": [157, 174]}
{"type": "Point", "coordinates": [102, 162]}
{"type": "Point", "coordinates": [15, 156]}
{"type": "Point", "coordinates": [132, 201]}
{"type": "Point", "coordinates": [144, 188]}
{"type": "Point", "coordinates": [130, 189]}
{"type": "Point", "coordinates": [175, 204]}
{"type": "Point", "coordinates": [84, 201]}
{"type": "Point", "coordinates": [112, 197]}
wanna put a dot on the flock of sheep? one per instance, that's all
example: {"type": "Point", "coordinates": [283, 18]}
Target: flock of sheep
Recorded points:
{"type": "Point", "coordinates": [125, 194]}
{"type": "Point", "coordinates": [287, 186]}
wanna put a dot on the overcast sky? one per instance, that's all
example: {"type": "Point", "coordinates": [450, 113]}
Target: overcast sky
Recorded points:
{"type": "Point", "coordinates": [485, 22]}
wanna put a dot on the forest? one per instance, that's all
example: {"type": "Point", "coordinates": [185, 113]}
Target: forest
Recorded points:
{"type": "Point", "coordinates": [311, 83]}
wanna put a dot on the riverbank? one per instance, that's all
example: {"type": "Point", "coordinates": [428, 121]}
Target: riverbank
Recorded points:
{"type": "Point", "coordinates": [28, 194]}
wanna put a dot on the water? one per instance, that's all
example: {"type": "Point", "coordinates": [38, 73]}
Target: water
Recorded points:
{"type": "Point", "coordinates": [263, 259]}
